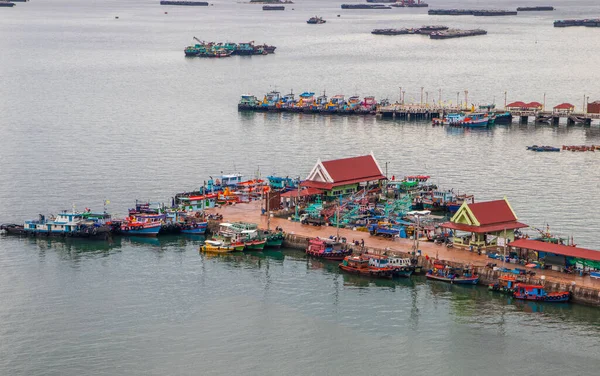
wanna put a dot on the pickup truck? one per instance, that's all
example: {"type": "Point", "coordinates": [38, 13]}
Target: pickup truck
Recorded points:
{"type": "Point", "coordinates": [383, 230]}
{"type": "Point", "coordinates": [306, 219]}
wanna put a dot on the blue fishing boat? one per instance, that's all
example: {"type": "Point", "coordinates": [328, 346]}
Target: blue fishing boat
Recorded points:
{"type": "Point", "coordinates": [244, 49]}
{"type": "Point", "coordinates": [470, 120]}
{"type": "Point", "coordinates": [543, 148]}
{"type": "Point", "coordinates": [195, 228]}
{"type": "Point", "coordinates": [133, 228]}
{"type": "Point", "coordinates": [538, 293]}
{"type": "Point", "coordinates": [445, 273]}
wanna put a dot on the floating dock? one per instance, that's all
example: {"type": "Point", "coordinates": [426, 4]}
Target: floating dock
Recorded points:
{"type": "Point", "coordinates": [534, 9]}
{"type": "Point", "coordinates": [185, 3]}
{"type": "Point", "coordinates": [455, 33]}
{"type": "Point", "coordinates": [587, 23]}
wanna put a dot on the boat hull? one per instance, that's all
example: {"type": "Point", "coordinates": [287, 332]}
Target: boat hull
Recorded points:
{"type": "Point", "coordinates": [456, 281]}
{"type": "Point", "coordinates": [274, 243]}
{"type": "Point", "coordinates": [551, 298]}
{"type": "Point", "coordinates": [256, 245]}
{"type": "Point", "coordinates": [142, 231]}
{"type": "Point", "coordinates": [371, 272]}
{"type": "Point", "coordinates": [334, 256]}
{"type": "Point", "coordinates": [217, 249]}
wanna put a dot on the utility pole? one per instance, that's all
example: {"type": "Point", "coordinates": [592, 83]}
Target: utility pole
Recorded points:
{"type": "Point", "coordinates": [440, 98]}
{"type": "Point", "coordinates": [466, 98]}
{"type": "Point", "coordinates": [422, 94]}
{"type": "Point", "coordinates": [587, 100]}
{"type": "Point", "coordinates": [457, 105]}
{"type": "Point", "coordinates": [505, 100]}
{"type": "Point", "coordinates": [544, 105]}
{"type": "Point", "coordinates": [400, 98]}
{"type": "Point", "coordinates": [403, 92]}
{"type": "Point", "coordinates": [426, 98]}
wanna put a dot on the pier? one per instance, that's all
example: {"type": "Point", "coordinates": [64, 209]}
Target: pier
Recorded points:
{"type": "Point", "coordinates": [584, 290]}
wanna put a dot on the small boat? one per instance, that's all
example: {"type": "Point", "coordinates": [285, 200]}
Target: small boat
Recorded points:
{"type": "Point", "coordinates": [217, 246]}
{"type": "Point", "coordinates": [403, 267]}
{"type": "Point", "coordinates": [327, 249]}
{"type": "Point", "coordinates": [542, 148]}
{"type": "Point", "coordinates": [538, 293]}
{"type": "Point", "coordinates": [134, 228]}
{"type": "Point", "coordinates": [452, 275]}
{"type": "Point", "coordinates": [471, 120]}
{"type": "Point", "coordinates": [390, 31]}
{"type": "Point", "coordinates": [367, 266]}
{"type": "Point", "coordinates": [274, 238]}
{"type": "Point", "coordinates": [505, 284]}
{"type": "Point", "coordinates": [316, 20]}
{"type": "Point", "coordinates": [194, 228]}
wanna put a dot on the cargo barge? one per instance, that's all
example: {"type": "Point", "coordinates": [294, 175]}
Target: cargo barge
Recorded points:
{"type": "Point", "coordinates": [186, 3]}
{"type": "Point", "coordinates": [402, 3]}
{"type": "Point", "coordinates": [470, 12]}
{"type": "Point", "coordinates": [425, 30]}
{"type": "Point", "coordinates": [273, 7]}
{"type": "Point", "coordinates": [365, 6]}
{"type": "Point", "coordinates": [455, 33]}
{"type": "Point", "coordinates": [586, 22]}
{"type": "Point", "coordinates": [534, 9]}
{"type": "Point", "coordinates": [6, 4]}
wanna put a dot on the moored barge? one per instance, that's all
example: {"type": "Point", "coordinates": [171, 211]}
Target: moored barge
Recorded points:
{"type": "Point", "coordinates": [185, 3]}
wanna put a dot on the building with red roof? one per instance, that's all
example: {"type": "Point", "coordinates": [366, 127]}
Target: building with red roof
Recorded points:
{"type": "Point", "coordinates": [484, 224]}
{"type": "Point", "coordinates": [344, 176]}
{"type": "Point", "coordinates": [531, 106]}
{"type": "Point", "coordinates": [564, 108]}
{"type": "Point", "coordinates": [559, 255]}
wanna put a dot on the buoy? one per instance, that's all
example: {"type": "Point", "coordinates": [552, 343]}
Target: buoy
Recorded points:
{"type": "Point", "coordinates": [166, 12]}
{"type": "Point", "coordinates": [117, 17]}
{"type": "Point", "coordinates": [338, 15]}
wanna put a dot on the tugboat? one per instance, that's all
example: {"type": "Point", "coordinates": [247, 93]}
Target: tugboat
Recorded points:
{"type": "Point", "coordinates": [327, 249]}
{"type": "Point", "coordinates": [505, 284]}
{"type": "Point", "coordinates": [316, 20]}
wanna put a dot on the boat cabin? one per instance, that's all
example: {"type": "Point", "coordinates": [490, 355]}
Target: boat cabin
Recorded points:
{"type": "Point", "coordinates": [356, 262]}
{"type": "Point", "coordinates": [379, 262]}
{"type": "Point", "coordinates": [249, 100]}
{"type": "Point", "coordinates": [194, 203]}
{"type": "Point", "coordinates": [271, 98]}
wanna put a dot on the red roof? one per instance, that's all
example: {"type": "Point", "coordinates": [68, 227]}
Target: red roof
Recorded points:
{"type": "Point", "coordinates": [364, 168]}
{"type": "Point", "coordinates": [533, 104]}
{"type": "Point", "coordinates": [492, 212]}
{"type": "Point", "coordinates": [557, 249]}
{"type": "Point", "coordinates": [484, 228]}
{"type": "Point", "coordinates": [305, 192]}
{"type": "Point", "coordinates": [564, 106]}
{"type": "Point", "coordinates": [516, 104]}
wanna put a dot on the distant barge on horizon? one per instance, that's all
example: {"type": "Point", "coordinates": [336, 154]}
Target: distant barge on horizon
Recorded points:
{"type": "Point", "coordinates": [187, 3]}
{"type": "Point", "coordinates": [455, 33]}
{"type": "Point", "coordinates": [470, 12]}
{"type": "Point", "coordinates": [586, 23]}
{"type": "Point", "coordinates": [425, 30]}
{"type": "Point", "coordinates": [402, 3]}
{"type": "Point", "coordinates": [534, 9]}
{"type": "Point", "coordinates": [6, 4]}
{"type": "Point", "coordinates": [273, 7]}
{"type": "Point", "coordinates": [365, 6]}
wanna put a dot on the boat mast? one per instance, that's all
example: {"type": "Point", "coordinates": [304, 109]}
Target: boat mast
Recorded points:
{"type": "Point", "coordinates": [268, 213]}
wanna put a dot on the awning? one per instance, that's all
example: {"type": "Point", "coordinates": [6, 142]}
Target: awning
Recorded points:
{"type": "Point", "coordinates": [484, 228]}
{"type": "Point", "coordinates": [557, 249]}
{"type": "Point", "coordinates": [303, 193]}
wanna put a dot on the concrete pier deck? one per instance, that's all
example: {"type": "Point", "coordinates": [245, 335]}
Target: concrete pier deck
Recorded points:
{"type": "Point", "coordinates": [250, 212]}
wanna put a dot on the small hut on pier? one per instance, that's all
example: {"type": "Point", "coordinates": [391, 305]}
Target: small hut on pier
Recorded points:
{"type": "Point", "coordinates": [485, 225]}
{"type": "Point", "coordinates": [563, 109]}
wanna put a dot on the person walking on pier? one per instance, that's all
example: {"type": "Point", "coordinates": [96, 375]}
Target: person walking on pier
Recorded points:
{"type": "Point", "coordinates": [362, 243]}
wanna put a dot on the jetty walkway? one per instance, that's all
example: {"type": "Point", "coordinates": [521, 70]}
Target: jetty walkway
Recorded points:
{"type": "Point", "coordinates": [584, 289]}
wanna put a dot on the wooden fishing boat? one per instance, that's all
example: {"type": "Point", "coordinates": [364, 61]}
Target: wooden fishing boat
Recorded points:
{"type": "Point", "coordinates": [371, 267]}
{"type": "Point", "coordinates": [505, 284]}
{"type": "Point", "coordinates": [538, 293]}
{"type": "Point", "coordinates": [327, 249]}
{"type": "Point", "coordinates": [217, 246]}
{"type": "Point", "coordinates": [452, 275]}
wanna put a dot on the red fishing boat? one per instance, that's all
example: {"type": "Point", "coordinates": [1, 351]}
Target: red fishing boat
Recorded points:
{"type": "Point", "coordinates": [327, 249]}
{"type": "Point", "coordinates": [368, 266]}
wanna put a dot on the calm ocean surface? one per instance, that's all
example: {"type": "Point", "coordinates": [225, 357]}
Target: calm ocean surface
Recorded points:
{"type": "Point", "coordinates": [96, 108]}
